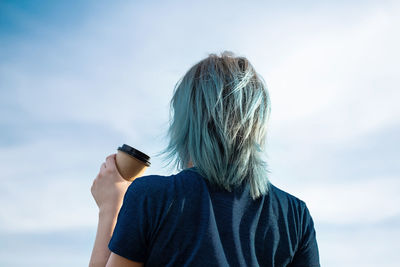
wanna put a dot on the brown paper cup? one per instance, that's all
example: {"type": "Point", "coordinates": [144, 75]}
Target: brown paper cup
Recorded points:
{"type": "Point", "coordinates": [131, 163]}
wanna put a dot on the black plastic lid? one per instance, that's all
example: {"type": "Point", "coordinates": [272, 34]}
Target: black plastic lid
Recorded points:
{"type": "Point", "coordinates": [135, 153]}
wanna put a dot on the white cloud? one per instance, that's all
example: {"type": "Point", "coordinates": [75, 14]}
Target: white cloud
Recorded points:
{"type": "Point", "coordinates": [354, 202]}
{"type": "Point", "coordinates": [339, 84]}
{"type": "Point", "coordinates": [365, 245]}
{"type": "Point", "coordinates": [45, 185]}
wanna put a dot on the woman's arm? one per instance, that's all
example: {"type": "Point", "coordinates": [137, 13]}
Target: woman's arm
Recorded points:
{"type": "Point", "coordinates": [101, 255]}
{"type": "Point", "coordinates": [108, 190]}
{"type": "Point", "coordinates": [105, 228]}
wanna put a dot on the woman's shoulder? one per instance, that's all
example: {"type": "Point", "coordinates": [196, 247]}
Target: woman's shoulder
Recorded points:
{"type": "Point", "coordinates": [284, 197]}
{"type": "Point", "coordinates": [151, 183]}
{"type": "Point", "coordinates": [159, 191]}
{"type": "Point", "coordinates": [175, 184]}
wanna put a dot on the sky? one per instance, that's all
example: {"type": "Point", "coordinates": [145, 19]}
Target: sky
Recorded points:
{"type": "Point", "coordinates": [80, 78]}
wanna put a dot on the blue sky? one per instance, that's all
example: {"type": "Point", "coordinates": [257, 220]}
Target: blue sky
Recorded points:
{"type": "Point", "coordinates": [80, 78]}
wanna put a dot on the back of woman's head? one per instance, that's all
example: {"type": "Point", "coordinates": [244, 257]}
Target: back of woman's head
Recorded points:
{"type": "Point", "coordinates": [221, 108]}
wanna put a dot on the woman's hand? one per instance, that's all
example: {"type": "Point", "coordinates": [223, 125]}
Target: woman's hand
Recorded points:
{"type": "Point", "coordinates": [108, 188]}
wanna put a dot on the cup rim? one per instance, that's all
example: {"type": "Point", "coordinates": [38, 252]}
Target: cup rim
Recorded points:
{"type": "Point", "coordinates": [135, 153]}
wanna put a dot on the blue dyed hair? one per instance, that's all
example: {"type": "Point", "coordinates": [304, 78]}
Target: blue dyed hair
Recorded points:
{"type": "Point", "coordinates": [221, 109]}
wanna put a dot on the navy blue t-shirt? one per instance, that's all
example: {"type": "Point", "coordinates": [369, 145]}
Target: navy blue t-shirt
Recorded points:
{"type": "Point", "coordinates": [182, 220]}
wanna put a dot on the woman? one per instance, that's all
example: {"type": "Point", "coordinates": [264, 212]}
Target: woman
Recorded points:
{"type": "Point", "coordinates": [220, 209]}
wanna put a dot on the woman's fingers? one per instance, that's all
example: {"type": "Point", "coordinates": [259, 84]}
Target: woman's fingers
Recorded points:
{"type": "Point", "coordinates": [110, 161]}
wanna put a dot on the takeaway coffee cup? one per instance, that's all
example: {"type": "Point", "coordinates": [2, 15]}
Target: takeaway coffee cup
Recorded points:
{"type": "Point", "coordinates": [131, 163]}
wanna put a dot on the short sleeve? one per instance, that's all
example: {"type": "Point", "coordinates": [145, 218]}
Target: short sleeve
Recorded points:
{"type": "Point", "coordinates": [129, 238]}
{"type": "Point", "coordinates": [307, 254]}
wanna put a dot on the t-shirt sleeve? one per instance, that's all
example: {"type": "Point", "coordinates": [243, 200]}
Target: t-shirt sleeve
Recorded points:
{"type": "Point", "coordinates": [307, 254]}
{"type": "Point", "coordinates": [129, 238]}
